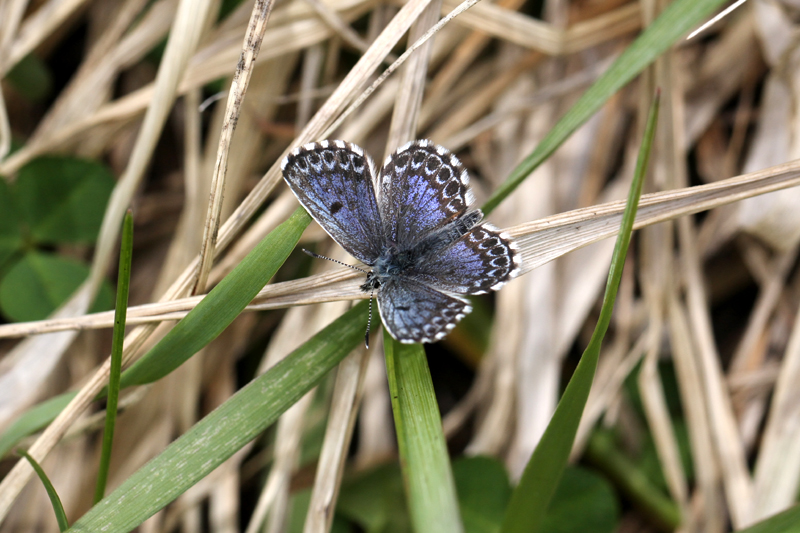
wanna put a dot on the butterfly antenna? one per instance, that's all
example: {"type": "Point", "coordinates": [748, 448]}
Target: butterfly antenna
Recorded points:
{"type": "Point", "coordinates": [318, 256]}
{"type": "Point", "coordinates": [369, 318]}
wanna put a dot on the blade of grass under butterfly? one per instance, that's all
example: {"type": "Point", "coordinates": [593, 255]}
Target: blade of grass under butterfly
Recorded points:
{"type": "Point", "coordinates": [428, 478]}
{"type": "Point", "coordinates": [61, 515]}
{"type": "Point", "coordinates": [786, 522]}
{"type": "Point", "coordinates": [225, 430]}
{"type": "Point", "coordinates": [531, 497]}
{"type": "Point", "coordinates": [118, 337]}
{"type": "Point", "coordinates": [221, 306]}
{"type": "Point", "coordinates": [674, 22]}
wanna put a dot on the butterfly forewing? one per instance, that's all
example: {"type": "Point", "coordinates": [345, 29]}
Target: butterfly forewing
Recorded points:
{"type": "Point", "coordinates": [414, 312]}
{"type": "Point", "coordinates": [422, 187]}
{"type": "Point", "coordinates": [483, 260]}
{"type": "Point", "coordinates": [333, 181]}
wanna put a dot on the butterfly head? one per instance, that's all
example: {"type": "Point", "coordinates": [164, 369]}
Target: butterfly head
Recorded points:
{"type": "Point", "coordinates": [373, 282]}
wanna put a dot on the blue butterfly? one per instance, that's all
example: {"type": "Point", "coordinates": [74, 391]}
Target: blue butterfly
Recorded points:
{"type": "Point", "coordinates": [412, 224]}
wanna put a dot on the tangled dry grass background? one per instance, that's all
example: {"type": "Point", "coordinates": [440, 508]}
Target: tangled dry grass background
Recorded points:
{"type": "Point", "coordinates": [713, 298]}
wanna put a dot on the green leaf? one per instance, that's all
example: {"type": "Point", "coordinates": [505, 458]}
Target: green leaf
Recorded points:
{"type": "Point", "coordinates": [61, 515]}
{"type": "Point", "coordinates": [674, 22]}
{"type": "Point", "coordinates": [39, 282]}
{"type": "Point", "coordinates": [583, 502]}
{"type": "Point", "coordinates": [120, 315]}
{"type": "Point", "coordinates": [33, 420]}
{"type": "Point", "coordinates": [225, 430]}
{"type": "Point", "coordinates": [540, 479]}
{"type": "Point", "coordinates": [31, 78]}
{"type": "Point", "coordinates": [375, 501]}
{"type": "Point", "coordinates": [63, 199]}
{"type": "Point", "coordinates": [10, 231]}
{"type": "Point", "coordinates": [483, 493]}
{"type": "Point", "coordinates": [786, 522]}
{"type": "Point", "coordinates": [424, 460]}
{"type": "Point", "coordinates": [221, 306]}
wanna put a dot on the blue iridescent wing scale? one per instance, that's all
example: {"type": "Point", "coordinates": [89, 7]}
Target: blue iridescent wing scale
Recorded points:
{"type": "Point", "coordinates": [482, 260]}
{"type": "Point", "coordinates": [333, 180]}
{"type": "Point", "coordinates": [422, 187]}
{"type": "Point", "coordinates": [414, 312]}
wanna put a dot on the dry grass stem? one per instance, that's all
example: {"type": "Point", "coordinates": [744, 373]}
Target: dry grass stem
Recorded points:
{"type": "Point", "coordinates": [241, 80]}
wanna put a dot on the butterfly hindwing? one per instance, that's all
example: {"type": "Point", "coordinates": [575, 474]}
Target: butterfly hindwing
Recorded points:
{"type": "Point", "coordinates": [482, 260]}
{"type": "Point", "coordinates": [333, 180]}
{"type": "Point", "coordinates": [414, 312]}
{"type": "Point", "coordinates": [422, 187]}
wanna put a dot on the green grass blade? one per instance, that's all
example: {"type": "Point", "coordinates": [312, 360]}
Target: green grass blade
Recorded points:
{"type": "Point", "coordinates": [423, 451]}
{"type": "Point", "coordinates": [786, 522]}
{"type": "Point", "coordinates": [33, 420]}
{"type": "Point", "coordinates": [61, 516]}
{"type": "Point", "coordinates": [542, 474]}
{"type": "Point", "coordinates": [221, 306]}
{"type": "Point", "coordinates": [674, 22]}
{"type": "Point", "coordinates": [118, 337]}
{"type": "Point", "coordinates": [224, 431]}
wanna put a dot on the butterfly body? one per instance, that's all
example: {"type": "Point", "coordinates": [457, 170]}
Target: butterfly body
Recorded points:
{"type": "Point", "coordinates": [411, 224]}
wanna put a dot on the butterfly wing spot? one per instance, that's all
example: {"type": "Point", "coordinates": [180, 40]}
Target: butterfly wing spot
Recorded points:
{"type": "Point", "coordinates": [454, 206]}
{"type": "Point", "coordinates": [329, 158]}
{"type": "Point", "coordinates": [444, 176]}
{"type": "Point", "coordinates": [335, 207]}
{"type": "Point", "coordinates": [489, 243]}
{"type": "Point", "coordinates": [478, 235]}
{"type": "Point", "coordinates": [499, 262]}
{"type": "Point", "coordinates": [451, 189]}
{"type": "Point", "coordinates": [342, 159]}
{"type": "Point", "coordinates": [432, 164]}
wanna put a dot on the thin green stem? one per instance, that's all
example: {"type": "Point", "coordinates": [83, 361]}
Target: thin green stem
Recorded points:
{"type": "Point", "coordinates": [120, 316]}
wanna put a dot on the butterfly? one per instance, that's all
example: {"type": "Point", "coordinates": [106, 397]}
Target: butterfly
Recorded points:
{"type": "Point", "coordinates": [412, 223]}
